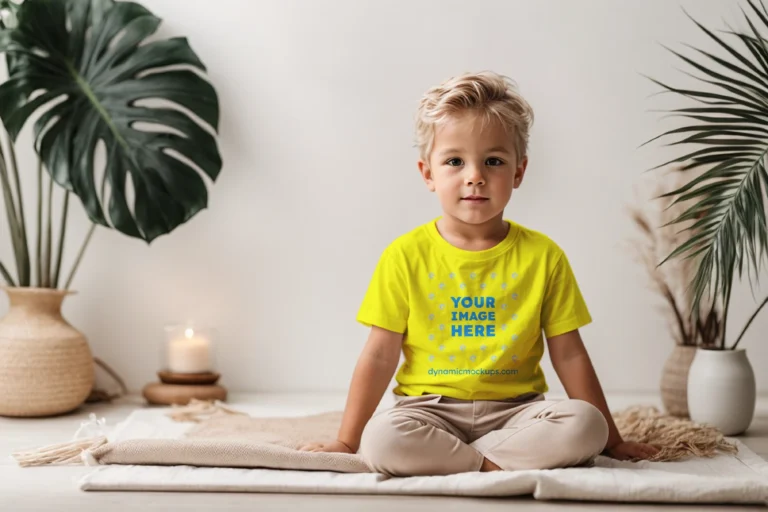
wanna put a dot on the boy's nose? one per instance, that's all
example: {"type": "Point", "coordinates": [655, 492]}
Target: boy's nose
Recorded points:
{"type": "Point", "coordinates": [474, 177]}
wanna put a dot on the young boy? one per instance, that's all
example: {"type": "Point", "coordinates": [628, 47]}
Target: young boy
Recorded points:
{"type": "Point", "coordinates": [466, 298]}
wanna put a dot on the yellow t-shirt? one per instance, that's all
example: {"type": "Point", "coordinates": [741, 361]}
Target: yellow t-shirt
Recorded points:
{"type": "Point", "coordinates": [473, 320]}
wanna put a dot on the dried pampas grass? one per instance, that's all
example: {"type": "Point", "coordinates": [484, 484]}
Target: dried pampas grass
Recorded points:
{"type": "Point", "coordinates": [651, 214]}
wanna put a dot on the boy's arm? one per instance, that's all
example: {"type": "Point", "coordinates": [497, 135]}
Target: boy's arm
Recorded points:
{"type": "Point", "coordinates": [574, 368]}
{"type": "Point", "coordinates": [373, 373]}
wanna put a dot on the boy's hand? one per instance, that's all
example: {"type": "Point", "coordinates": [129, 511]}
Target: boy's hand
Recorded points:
{"type": "Point", "coordinates": [631, 450]}
{"type": "Point", "coordinates": [333, 446]}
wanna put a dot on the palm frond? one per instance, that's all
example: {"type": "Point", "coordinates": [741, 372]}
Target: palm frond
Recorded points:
{"type": "Point", "coordinates": [727, 138]}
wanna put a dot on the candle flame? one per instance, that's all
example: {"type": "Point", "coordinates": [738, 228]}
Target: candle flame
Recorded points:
{"type": "Point", "coordinates": [189, 333]}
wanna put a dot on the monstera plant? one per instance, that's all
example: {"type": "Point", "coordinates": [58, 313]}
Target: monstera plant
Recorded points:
{"type": "Point", "coordinates": [85, 71]}
{"type": "Point", "coordinates": [86, 76]}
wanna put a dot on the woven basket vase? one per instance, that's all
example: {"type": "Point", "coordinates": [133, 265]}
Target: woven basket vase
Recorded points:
{"type": "Point", "coordinates": [674, 380]}
{"type": "Point", "coordinates": [46, 366]}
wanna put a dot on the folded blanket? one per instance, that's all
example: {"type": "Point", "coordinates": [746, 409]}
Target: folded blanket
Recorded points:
{"type": "Point", "coordinates": [226, 438]}
{"type": "Point", "coordinates": [241, 441]}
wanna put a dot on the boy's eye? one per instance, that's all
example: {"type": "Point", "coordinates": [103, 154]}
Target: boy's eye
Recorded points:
{"type": "Point", "coordinates": [494, 162]}
{"type": "Point", "coordinates": [454, 162]}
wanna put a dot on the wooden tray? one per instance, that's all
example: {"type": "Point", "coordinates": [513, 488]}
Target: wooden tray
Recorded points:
{"type": "Point", "coordinates": [202, 379]}
{"type": "Point", "coordinates": [181, 394]}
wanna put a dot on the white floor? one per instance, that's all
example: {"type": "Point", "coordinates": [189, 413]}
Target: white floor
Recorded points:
{"type": "Point", "coordinates": [54, 488]}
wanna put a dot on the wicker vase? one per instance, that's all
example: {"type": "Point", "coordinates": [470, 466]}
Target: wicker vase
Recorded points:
{"type": "Point", "coordinates": [46, 366]}
{"type": "Point", "coordinates": [674, 380]}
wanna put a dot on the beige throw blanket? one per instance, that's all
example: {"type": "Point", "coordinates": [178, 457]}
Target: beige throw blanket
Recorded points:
{"type": "Point", "coordinates": [226, 438]}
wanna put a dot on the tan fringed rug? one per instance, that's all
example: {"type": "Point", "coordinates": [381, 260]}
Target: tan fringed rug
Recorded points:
{"type": "Point", "coordinates": [204, 447]}
{"type": "Point", "coordinates": [678, 438]}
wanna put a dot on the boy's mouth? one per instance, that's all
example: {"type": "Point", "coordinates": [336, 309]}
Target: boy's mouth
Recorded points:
{"type": "Point", "coordinates": [474, 199]}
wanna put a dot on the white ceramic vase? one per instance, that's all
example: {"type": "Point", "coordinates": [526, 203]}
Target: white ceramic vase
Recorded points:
{"type": "Point", "coordinates": [722, 390]}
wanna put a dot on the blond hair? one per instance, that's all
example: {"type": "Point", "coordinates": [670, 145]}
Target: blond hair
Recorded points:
{"type": "Point", "coordinates": [491, 95]}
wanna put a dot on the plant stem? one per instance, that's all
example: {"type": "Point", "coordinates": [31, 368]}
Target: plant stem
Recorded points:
{"type": "Point", "coordinates": [48, 238]}
{"type": "Point", "coordinates": [725, 314]}
{"type": "Point", "coordinates": [40, 223]}
{"type": "Point", "coordinates": [26, 280]}
{"type": "Point", "coordinates": [749, 322]}
{"type": "Point", "coordinates": [112, 374]}
{"type": "Point", "coordinates": [80, 256]}
{"type": "Point", "coordinates": [86, 241]}
{"type": "Point", "coordinates": [62, 231]}
{"type": "Point", "coordinates": [10, 210]}
{"type": "Point", "coordinates": [6, 275]}
{"type": "Point", "coordinates": [673, 303]}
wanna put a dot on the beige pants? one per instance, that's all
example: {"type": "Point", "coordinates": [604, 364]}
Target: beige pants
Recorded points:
{"type": "Point", "coordinates": [437, 435]}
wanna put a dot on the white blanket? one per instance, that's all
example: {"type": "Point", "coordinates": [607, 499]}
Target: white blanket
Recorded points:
{"type": "Point", "coordinates": [742, 478]}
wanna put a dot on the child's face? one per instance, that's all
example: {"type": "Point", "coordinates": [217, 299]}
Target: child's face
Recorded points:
{"type": "Point", "coordinates": [473, 171]}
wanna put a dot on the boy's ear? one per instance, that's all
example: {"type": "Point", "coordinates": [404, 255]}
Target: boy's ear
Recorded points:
{"type": "Point", "coordinates": [426, 174]}
{"type": "Point", "coordinates": [520, 172]}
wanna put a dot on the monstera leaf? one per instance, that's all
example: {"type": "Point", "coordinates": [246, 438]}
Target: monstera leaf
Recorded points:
{"type": "Point", "coordinates": [84, 67]}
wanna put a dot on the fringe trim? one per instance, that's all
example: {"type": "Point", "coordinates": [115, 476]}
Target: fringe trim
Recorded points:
{"type": "Point", "coordinates": [200, 410]}
{"type": "Point", "coordinates": [59, 454]}
{"type": "Point", "coordinates": [676, 438]}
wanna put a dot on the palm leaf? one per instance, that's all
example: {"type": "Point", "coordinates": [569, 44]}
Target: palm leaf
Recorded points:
{"type": "Point", "coordinates": [83, 66]}
{"type": "Point", "coordinates": [727, 138]}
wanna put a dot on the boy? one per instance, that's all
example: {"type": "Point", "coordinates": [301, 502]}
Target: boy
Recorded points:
{"type": "Point", "coordinates": [466, 297]}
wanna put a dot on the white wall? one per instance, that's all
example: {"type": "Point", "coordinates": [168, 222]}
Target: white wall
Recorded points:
{"type": "Point", "coordinates": [320, 175]}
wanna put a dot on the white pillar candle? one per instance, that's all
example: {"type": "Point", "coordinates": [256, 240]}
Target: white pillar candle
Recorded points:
{"type": "Point", "coordinates": [189, 354]}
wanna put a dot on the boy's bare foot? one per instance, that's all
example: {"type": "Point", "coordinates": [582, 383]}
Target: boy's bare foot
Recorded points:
{"type": "Point", "coordinates": [489, 466]}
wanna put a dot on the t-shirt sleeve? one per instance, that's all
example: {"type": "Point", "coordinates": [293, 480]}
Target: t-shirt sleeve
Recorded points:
{"type": "Point", "coordinates": [385, 303]}
{"type": "Point", "coordinates": [564, 308]}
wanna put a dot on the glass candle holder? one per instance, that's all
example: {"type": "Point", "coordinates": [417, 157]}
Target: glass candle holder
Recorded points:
{"type": "Point", "coordinates": [189, 349]}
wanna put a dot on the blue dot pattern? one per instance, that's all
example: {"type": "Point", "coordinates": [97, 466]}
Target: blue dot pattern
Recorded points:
{"type": "Point", "coordinates": [488, 353]}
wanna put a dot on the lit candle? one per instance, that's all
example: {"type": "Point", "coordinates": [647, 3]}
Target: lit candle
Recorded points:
{"type": "Point", "coordinates": [190, 354]}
